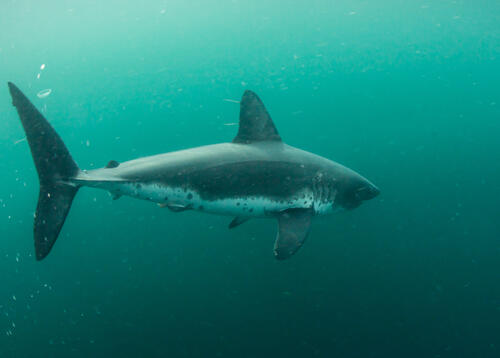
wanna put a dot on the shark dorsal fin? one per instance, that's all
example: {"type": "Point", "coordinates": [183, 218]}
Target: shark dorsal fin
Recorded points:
{"type": "Point", "coordinates": [255, 123]}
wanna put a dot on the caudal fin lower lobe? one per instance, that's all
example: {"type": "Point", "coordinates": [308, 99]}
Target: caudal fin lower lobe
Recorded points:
{"type": "Point", "coordinates": [55, 168]}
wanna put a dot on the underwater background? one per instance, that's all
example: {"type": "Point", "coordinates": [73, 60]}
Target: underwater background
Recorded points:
{"type": "Point", "coordinates": [406, 92]}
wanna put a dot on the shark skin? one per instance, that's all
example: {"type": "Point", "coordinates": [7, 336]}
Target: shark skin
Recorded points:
{"type": "Point", "coordinates": [257, 175]}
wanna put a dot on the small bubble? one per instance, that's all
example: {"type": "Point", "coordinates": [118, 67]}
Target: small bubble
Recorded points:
{"type": "Point", "coordinates": [44, 93]}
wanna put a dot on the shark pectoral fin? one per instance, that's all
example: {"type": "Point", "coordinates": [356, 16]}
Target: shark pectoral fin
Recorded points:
{"type": "Point", "coordinates": [293, 228]}
{"type": "Point", "coordinates": [115, 196]}
{"type": "Point", "coordinates": [237, 221]}
{"type": "Point", "coordinates": [177, 208]}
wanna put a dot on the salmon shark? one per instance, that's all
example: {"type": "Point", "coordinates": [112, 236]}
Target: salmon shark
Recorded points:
{"type": "Point", "coordinates": [257, 175]}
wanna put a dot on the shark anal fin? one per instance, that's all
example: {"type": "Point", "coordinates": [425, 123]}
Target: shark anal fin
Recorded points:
{"type": "Point", "coordinates": [237, 221]}
{"type": "Point", "coordinates": [293, 228]}
{"type": "Point", "coordinates": [112, 164]}
{"type": "Point", "coordinates": [177, 208]}
{"type": "Point", "coordinates": [256, 124]}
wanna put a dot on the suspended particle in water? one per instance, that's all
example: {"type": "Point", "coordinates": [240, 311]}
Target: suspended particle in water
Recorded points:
{"type": "Point", "coordinates": [231, 100]}
{"type": "Point", "coordinates": [20, 140]}
{"type": "Point", "coordinates": [44, 93]}
{"type": "Point", "coordinates": [38, 76]}
{"type": "Point", "coordinates": [42, 67]}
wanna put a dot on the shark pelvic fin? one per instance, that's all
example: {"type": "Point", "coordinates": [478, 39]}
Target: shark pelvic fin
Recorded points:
{"type": "Point", "coordinates": [255, 123]}
{"type": "Point", "coordinates": [237, 221]}
{"type": "Point", "coordinates": [177, 208]}
{"type": "Point", "coordinates": [293, 228]}
{"type": "Point", "coordinates": [112, 164]}
{"type": "Point", "coordinates": [115, 196]}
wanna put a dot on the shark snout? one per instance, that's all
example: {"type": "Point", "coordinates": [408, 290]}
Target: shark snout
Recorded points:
{"type": "Point", "coordinates": [357, 192]}
{"type": "Point", "coordinates": [367, 192]}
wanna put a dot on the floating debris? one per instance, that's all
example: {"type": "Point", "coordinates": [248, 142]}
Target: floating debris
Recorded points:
{"type": "Point", "coordinates": [38, 76]}
{"type": "Point", "coordinates": [231, 124]}
{"type": "Point", "coordinates": [42, 67]}
{"type": "Point", "coordinates": [231, 100]}
{"type": "Point", "coordinates": [44, 93]}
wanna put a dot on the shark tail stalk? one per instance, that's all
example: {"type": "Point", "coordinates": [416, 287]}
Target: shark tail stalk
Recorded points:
{"type": "Point", "coordinates": [55, 168]}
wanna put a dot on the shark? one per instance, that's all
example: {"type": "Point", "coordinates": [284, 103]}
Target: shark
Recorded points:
{"type": "Point", "coordinates": [256, 175]}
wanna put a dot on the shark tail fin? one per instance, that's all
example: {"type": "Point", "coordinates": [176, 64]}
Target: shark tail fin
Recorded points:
{"type": "Point", "coordinates": [55, 168]}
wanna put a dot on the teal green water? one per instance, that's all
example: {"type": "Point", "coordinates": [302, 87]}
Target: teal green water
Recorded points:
{"type": "Point", "coordinates": [405, 92]}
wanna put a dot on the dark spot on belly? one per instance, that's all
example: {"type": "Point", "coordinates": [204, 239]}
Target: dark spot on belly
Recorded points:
{"type": "Point", "coordinates": [166, 198]}
{"type": "Point", "coordinates": [190, 196]}
{"type": "Point", "coordinates": [251, 210]}
{"type": "Point", "coordinates": [138, 186]}
{"type": "Point", "coordinates": [237, 204]}
{"type": "Point", "coordinates": [201, 208]}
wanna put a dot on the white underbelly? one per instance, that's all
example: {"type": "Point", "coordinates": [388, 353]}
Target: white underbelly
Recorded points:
{"type": "Point", "coordinates": [251, 206]}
